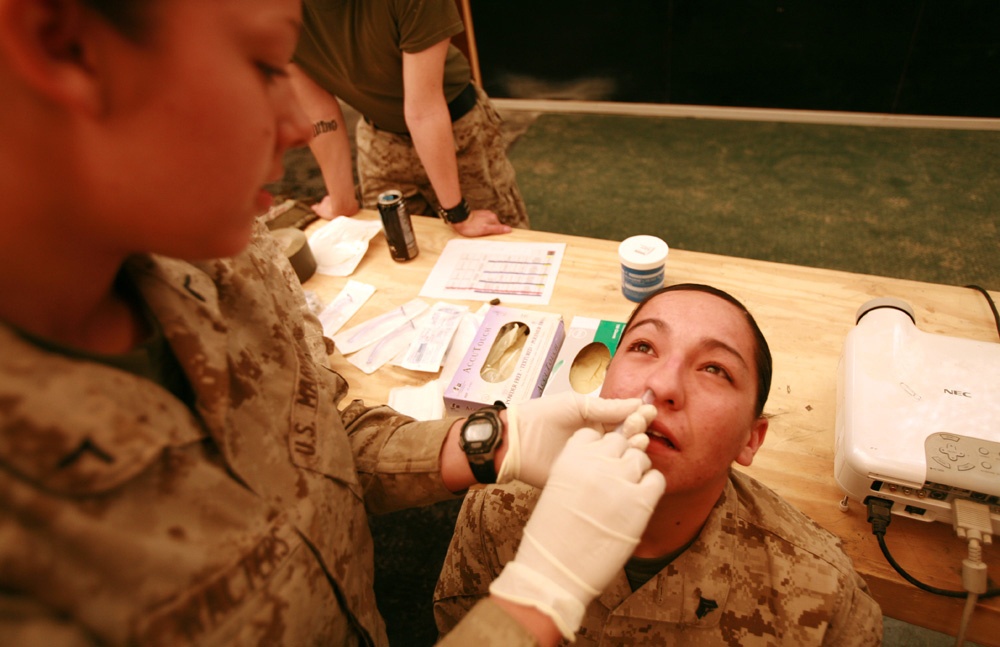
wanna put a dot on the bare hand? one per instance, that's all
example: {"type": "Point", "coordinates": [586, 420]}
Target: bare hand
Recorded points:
{"type": "Point", "coordinates": [328, 209]}
{"type": "Point", "coordinates": [481, 222]}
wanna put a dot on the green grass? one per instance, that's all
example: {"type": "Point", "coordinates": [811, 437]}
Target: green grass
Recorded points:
{"type": "Point", "coordinates": [918, 204]}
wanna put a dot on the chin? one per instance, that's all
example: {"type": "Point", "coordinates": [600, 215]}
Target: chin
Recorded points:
{"type": "Point", "coordinates": [218, 246]}
{"type": "Point", "coordinates": [663, 461]}
{"type": "Point", "coordinates": [233, 245]}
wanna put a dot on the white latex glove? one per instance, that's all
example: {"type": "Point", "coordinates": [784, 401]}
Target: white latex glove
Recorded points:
{"type": "Point", "coordinates": [587, 522]}
{"type": "Point", "coordinates": [538, 429]}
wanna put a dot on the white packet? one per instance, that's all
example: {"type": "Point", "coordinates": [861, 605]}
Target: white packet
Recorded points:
{"type": "Point", "coordinates": [344, 306]}
{"type": "Point", "coordinates": [427, 349]}
{"type": "Point", "coordinates": [339, 245]}
{"type": "Point", "coordinates": [378, 327]}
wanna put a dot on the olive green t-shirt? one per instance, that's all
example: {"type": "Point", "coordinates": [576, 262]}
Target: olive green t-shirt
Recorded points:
{"type": "Point", "coordinates": [354, 50]}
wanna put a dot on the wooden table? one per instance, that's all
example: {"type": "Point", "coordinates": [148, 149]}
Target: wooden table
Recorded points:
{"type": "Point", "coordinates": [805, 313]}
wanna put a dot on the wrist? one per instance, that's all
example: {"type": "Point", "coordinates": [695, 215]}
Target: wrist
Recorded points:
{"type": "Point", "coordinates": [504, 446]}
{"type": "Point", "coordinates": [522, 585]}
{"type": "Point", "coordinates": [454, 215]}
{"type": "Point", "coordinates": [480, 437]}
{"type": "Point", "coordinates": [538, 624]}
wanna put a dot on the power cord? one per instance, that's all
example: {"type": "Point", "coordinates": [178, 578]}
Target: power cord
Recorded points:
{"type": "Point", "coordinates": [972, 523]}
{"type": "Point", "coordinates": [989, 300]}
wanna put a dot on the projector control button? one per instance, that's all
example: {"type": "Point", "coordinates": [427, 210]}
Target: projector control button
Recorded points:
{"type": "Point", "coordinates": [965, 467]}
{"type": "Point", "coordinates": [942, 462]}
{"type": "Point", "coordinates": [952, 452]}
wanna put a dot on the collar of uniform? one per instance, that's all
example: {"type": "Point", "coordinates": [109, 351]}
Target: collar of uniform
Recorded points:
{"type": "Point", "coordinates": [79, 427]}
{"type": "Point", "coordinates": [693, 589]}
{"type": "Point", "coordinates": [185, 300]}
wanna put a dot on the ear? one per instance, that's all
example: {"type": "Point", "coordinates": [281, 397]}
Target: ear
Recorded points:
{"type": "Point", "coordinates": [756, 439]}
{"type": "Point", "coordinates": [41, 43]}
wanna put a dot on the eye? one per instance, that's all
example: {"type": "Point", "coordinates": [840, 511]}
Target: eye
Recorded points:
{"type": "Point", "coordinates": [715, 369]}
{"type": "Point", "coordinates": [271, 72]}
{"type": "Point", "coordinates": [641, 347]}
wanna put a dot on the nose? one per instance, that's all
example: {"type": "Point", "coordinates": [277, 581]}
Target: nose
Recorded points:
{"type": "Point", "coordinates": [295, 129]}
{"type": "Point", "coordinates": [666, 381]}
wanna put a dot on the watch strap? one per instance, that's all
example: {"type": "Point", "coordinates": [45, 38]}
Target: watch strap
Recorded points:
{"type": "Point", "coordinates": [458, 213]}
{"type": "Point", "coordinates": [485, 471]}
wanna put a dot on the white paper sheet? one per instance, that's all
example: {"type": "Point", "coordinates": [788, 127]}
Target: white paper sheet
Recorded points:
{"type": "Point", "coordinates": [423, 402]}
{"type": "Point", "coordinates": [474, 269]}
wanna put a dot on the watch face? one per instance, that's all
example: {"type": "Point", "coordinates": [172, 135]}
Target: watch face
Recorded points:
{"type": "Point", "coordinates": [477, 432]}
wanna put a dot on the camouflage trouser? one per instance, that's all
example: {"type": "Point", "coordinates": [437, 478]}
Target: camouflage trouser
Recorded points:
{"type": "Point", "coordinates": [389, 161]}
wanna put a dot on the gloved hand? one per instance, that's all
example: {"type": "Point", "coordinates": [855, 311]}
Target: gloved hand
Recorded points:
{"type": "Point", "coordinates": [537, 430]}
{"type": "Point", "coordinates": [587, 522]}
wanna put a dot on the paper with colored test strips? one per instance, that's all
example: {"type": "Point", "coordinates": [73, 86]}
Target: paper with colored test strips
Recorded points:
{"type": "Point", "coordinates": [479, 270]}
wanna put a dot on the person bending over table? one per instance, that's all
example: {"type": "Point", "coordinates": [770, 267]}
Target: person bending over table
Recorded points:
{"type": "Point", "coordinates": [178, 463]}
{"type": "Point", "coordinates": [724, 560]}
{"type": "Point", "coordinates": [427, 130]}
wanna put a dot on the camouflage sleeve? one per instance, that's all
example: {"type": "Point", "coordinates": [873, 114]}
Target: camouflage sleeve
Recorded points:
{"type": "Point", "coordinates": [24, 622]}
{"type": "Point", "coordinates": [487, 534]}
{"type": "Point", "coordinates": [857, 621]}
{"type": "Point", "coordinates": [397, 459]}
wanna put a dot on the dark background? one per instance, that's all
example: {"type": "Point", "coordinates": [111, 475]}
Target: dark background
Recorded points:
{"type": "Point", "coordinates": [924, 57]}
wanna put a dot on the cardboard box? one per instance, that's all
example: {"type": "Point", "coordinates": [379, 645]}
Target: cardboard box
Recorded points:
{"type": "Point", "coordinates": [583, 359]}
{"type": "Point", "coordinates": [489, 373]}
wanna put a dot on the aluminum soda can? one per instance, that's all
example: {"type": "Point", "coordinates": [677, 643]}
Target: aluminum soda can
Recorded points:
{"type": "Point", "coordinates": [397, 226]}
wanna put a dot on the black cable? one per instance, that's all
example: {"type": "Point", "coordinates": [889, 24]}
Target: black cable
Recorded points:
{"type": "Point", "coordinates": [879, 516]}
{"type": "Point", "coordinates": [989, 300]}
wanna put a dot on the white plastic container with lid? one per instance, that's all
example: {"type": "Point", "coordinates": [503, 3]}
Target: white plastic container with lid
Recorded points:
{"type": "Point", "coordinates": [643, 259]}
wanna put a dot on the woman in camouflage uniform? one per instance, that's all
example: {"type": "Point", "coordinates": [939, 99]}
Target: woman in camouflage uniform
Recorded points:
{"type": "Point", "coordinates": [724, 560]}
{"type": "Point", "coordinates": [175, 467]}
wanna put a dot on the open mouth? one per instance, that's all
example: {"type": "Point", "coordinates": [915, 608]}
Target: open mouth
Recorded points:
{"type": "Point", "coordinates": [656, 436]}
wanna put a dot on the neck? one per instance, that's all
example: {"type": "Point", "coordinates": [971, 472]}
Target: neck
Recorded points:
{"type": "Point", "coordinates": [676, 521]}
{"type": "Point", "coordinates": [55, 286]}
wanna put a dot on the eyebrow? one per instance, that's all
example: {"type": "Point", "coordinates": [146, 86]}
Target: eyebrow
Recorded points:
{"type": "Point", "coordinates": [265, 32]}
{"type": "Point", "coordinates": [709, 343]}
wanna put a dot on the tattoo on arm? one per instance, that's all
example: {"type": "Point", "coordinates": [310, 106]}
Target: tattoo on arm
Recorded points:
{"type": "Point", "coordinates": [324, 126]}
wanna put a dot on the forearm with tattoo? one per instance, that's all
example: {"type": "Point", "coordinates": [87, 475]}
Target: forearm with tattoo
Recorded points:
{"type": "Point", "coordinates": [324, 126]}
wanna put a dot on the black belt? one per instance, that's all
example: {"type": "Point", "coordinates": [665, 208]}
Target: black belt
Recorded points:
{"type": "Point", "coordinates": [457, 107]}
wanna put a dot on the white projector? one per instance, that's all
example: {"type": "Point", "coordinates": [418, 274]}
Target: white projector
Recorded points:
{"type": "Point", "coordinates": [918, 416]}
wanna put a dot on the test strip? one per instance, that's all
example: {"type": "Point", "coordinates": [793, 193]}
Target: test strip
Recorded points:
{"type": "Point", "coordinates": [344, 306]}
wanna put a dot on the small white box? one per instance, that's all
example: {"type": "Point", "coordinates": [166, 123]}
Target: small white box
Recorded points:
{"type": "Point", "coordinates": [583, 359]}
